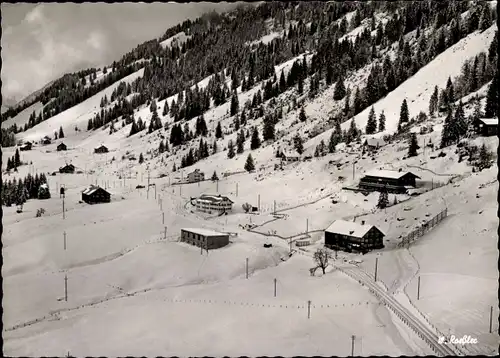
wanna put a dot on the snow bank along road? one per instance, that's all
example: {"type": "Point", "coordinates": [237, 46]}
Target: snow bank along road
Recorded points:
{"type": "Point", "coordinates": [419, 327]}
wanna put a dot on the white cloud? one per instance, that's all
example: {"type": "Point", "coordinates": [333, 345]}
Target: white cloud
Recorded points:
{"type": "Point", "coordinates": [35, 15]}
{"type": "Point", "coordinates": [96, 40]}
{"type": "Point", "coordinates": [42, 43]}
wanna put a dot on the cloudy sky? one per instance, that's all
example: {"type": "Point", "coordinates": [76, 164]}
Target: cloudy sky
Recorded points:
{"type": "Point", "coordinates": [40, 42]}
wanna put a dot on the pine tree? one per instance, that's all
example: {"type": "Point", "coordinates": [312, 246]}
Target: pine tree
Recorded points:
{"type": "Point", "coordinates": [460, 122]}
{"type": "Point", "coordinates": [282, 84]}
{"type": "Point", "coordinates": [339, 91]}
{"type": "Point", "coordinates": [236, 123]}
{"type": "Point", "coordinates": [352, 133]}
{"type": "Point", "coordinates": [332, 143]}
{"type": "Point", "coordinates": [300, 84]}
{"type": "Point", "coordinates": [268, 130]}
{"type": "Point", "coordinates": [141, 158]}
{"type": "Point", "coordinates": [347, 108]}
{"type": "Point", "coordinates": [17, 159]}
{"type": "Point", "coordinates": [358, 102]}
{"type": "Point", "coordinates": [450, 92]}
{"type": "Point", "coordinates": [381, 122]}
{"type": "Point", "coordinates": [447, 133]}
{"type": "Point", "coordinates": [161, 147]}
{"type": "Point", "coordinates": [240, 142]}
{"type": "Point", "coordinates": [214, 149]}
{"type": "Point", "coordinates": [484, 158]}
{"type": "Point", "coordinates": [321, 149]}
{"type": "Point", "coordinates": [243, 118]}
{"type": "Point", "coordinates": [371, 124]}
{"type": "Point", "coordinates": [383, 199]}
{"type": "Point", "coordinates": [404, 115]}
{"type": "Point", "coordinates": [491, 109]}
{"type": "Point", "coordinates": [218, 131]}
{"type": "Point", "coordinates": [234, 104]}
{"type": "Point", "coordinates": [255, 141]}
{"type": "Point", "coordinates": [61, 132]}
{"type": "Point", "coordinates": [433, 102]}
{"type": "Point", "coordinates": [214, 176]}
{"type": "Point", "coordinates": [230, 149]}
{"type": "Point", "coordinates": [298, 145]}
{"type": "Point", "coordinates": [249, 164]}
{"type": "Point", "coordinates": [152, 107]}
{"type": "Point", "coordinates": [302, 115]}
{"type": "Point", "coordinates": [413, 145]}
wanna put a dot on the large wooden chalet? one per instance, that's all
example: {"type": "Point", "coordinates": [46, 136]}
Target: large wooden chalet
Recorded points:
{"type": "Point", "coordinates": [213, 203]}
{"type": "Point", "coordinates": [26, 146]}
{"type": "Point", "coordinates": [68, 168]}
{"type": "Point", "coordinates": [95, 194]}
{"type": "Point", "coordinates": [350, 236]}
{"type": "Point", "coordinates": [102, 149]}
{"type": "Point", "coordinates": [195, 176]}
{"type": "Point", "coordinates": [486, 126]}
{"type": "Point", "coordinates": [391, 180]}
{"type": "Point", "coordinates": [290, 156]}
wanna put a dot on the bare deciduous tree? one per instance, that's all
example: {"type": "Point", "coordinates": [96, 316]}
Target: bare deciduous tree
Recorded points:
{"type": "Point", "coordinates": [321, 258]}
{"type": "Point", "coordinates": [246, 207]}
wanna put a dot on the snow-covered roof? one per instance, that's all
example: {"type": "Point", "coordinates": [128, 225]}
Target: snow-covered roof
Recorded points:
{"type": "Point", "coordinates": [391, 174]}
{"type": "Point", "coordinates": [204, 232]}
{"type": "Point", "coordinates": [213, 198]}
{"type": "Point", "coordinates": [374, 142]}
{"type": "Point", "coordinates": [293, 154]}
{"type": "Point", "coordinates": [349, 228]}
{"type": "Point", "coordinates": [91, 189]}
{"type": "Point", "coordinates": [489, 121]}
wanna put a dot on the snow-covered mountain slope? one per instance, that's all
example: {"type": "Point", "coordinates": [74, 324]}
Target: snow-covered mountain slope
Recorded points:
{"type": "Point", "coordinates": [177, 39]}
{"type": "Point", "coordinates": [23, 116]}
{"type": "Point", "coordinates": [75, 116]}
{"type": "Point", "coordinates": [418, 89]}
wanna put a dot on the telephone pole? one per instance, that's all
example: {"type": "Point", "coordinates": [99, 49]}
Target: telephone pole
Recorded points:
{"type": "Point", "coordinates": [376, 266]}
{"type": "Point", "coordinates": [275, 295]}
{"type": "Point", "coordinates": [247, 267]}
{"type": "Point", "coordinates": [236, 189]}
{"type": "Point", "coordinates": [353, 170]}
{"type": "Point", "coordinates": [352, 345]}
{"type": "Point", "coordinates": [163, 217]}
{"type": "Point", "coordinates": [64, 215]}
{"type": "Point", "coordinates": [418, 288]}
{"type": "Point", "coordinates": [274, 213]}
{"type": "Point", "coordinates": [65, 240]}
{"type": "Point", "coordinates": [491, 318]}
{"type": "Point", "coordinates": [66, 288]}
{"type": "Point", "coordinates": [307, 226]}
{"type": "Point", "coordinates": [308, 309]}
{"type": "Point", "coordinates": [258, 202]}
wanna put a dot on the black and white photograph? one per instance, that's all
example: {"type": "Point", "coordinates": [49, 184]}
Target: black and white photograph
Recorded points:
{"type": "Point", "coordinates": [305, 178]}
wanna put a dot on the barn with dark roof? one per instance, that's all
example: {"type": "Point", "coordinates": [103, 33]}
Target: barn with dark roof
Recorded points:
{"type": "Point", "coordinates": [95, 194]}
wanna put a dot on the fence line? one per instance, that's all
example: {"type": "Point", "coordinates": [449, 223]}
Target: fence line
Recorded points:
{"type": "Point", "coordinates": [423, 229]}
